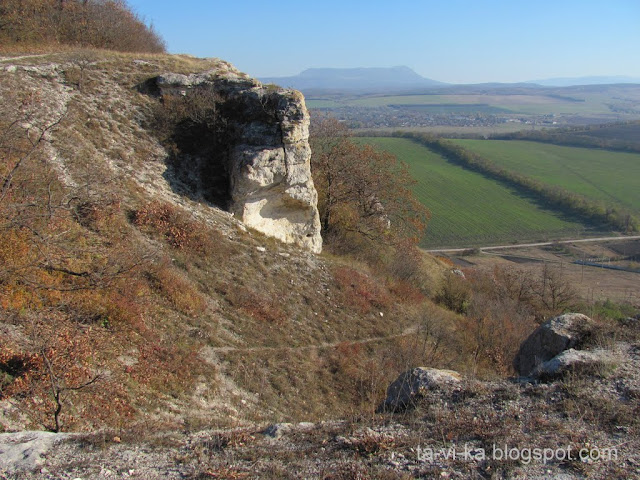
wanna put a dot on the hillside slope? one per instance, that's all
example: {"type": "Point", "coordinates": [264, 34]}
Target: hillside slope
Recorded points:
{"type": "Point", "coordinates": [124, 286]}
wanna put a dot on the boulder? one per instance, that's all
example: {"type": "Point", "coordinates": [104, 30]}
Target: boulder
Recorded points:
{"type": "Point", "coordinates": [413, 384]}
{"type": "Point", "coordinates": [277, 430]}
{"type": "Point", "coordinates": [24, 451]}
{"type": "Point", "coordinates": [571, 360]}
{"type": "Point", "coordinates": [551, 338]}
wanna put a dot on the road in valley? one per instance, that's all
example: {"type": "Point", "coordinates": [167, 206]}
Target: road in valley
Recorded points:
{"type": "Point", "coordinates": [539, 244]}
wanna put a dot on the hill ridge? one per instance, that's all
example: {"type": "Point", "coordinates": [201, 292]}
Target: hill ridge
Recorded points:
{"type": "Point", "coordinates": [359, 78]}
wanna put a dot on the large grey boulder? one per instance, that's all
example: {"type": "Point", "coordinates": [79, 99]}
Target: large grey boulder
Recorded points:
{"type": "Point", "coordinates": [551, 338]}
{"type": "Point", "coordinates": [572, 360]}
{"type": "Point", "coordinates": [269, 158]}
{"type": "Point", "coordinates": [413, 384]}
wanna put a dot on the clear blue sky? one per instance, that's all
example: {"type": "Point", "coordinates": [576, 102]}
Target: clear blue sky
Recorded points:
{"type": "Point", "coordinates": [457, 41]}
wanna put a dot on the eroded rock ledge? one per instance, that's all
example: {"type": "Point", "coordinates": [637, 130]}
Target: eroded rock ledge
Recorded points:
{"type": "Point", "coordinates": [266, 155]}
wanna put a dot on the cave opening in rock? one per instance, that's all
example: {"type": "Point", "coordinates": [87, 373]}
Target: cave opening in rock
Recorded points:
{"type": "Point", "coordinates": [200, 162]}
{"type": "Point", "coordinates": [198, 140]}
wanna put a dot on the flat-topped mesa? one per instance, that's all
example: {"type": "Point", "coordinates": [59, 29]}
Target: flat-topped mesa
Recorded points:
{"type": "Point", "coordinates": [266, 152]}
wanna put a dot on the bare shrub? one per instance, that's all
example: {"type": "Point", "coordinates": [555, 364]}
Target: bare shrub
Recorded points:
{"type": "Point", "coordinates": [554, 292]}
{"type": "Point", "coordinates": [108, 24]}
{"type": "Point", "coordinates": [361, 291]}
{"type": "Point", "coordinates": [180, 231]}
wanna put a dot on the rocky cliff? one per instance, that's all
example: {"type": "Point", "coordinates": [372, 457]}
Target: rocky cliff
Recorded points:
{"type": "Point", "coordinates": [261, 150]}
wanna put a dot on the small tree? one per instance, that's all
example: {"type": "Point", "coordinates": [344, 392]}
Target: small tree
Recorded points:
{"type": "Point", "coordinates": [454, 293]}
{"type": "Point", "coordinates": [364, 194]}
{"type": "Point", "coordinates": [555, 293]}
{"type": "Point", "coordinates": [60, 385]}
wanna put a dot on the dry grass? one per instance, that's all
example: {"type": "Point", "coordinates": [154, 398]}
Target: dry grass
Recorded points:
{"type": "Point", "coordinates": [361, 290]}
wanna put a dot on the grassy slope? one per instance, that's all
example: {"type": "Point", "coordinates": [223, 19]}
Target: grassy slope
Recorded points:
{"type": "Point", "coordinates": [600, 174]}
{"type": "Point", "coordinates": [220, 335]}
{"type": "Point", "coordinates": [469, 209]}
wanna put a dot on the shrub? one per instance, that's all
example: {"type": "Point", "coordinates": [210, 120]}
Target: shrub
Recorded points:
{"type": "Point", "coordinates": [166, 367]}
{"type": "Point", "coordinates": [180, 231]}
{"type": "Point", "coordinates": [359, 373]}
{"type": "Point", "coordinates": [98, 215]}
{"type": "Point", "coordinates": [255, 304]}
{"type": "Point", "coordinates": [406, 292]}
{"type": "Point", "coordinates": [178, 290]}
{"type": "Point", "coordinates": [15, 371]}
{"type": "Point", "coordinates": [360, 290]}
{"type": "Point", "coordinates": [454, 293]}
{"type": "Point", "coordinates": [108, 24]}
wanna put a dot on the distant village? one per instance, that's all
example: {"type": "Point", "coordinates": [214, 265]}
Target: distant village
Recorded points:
{"type": "Point", "coordinates": [393, 117]}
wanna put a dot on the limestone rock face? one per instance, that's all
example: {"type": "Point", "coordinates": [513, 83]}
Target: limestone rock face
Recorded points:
{"type": "Point", "coordinates": [551, 338]}
{"type": "Point", "coordinates": [268, 153]}
{"type": "Point", "coordinates": [412, 384]}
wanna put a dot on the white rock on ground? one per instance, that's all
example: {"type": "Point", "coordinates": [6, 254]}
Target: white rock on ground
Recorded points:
{"type": "Point", "coordinates": [24, 451]}
{"type": "Point", "coordinates": [269, 164]}
{"type": "Point", "coordinates": [572, 360]}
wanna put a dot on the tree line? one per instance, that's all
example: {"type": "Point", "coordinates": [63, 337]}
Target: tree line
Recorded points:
{"type": "Point", "coordinates": [107, 24]}
{"type": "Point", "coordinates": [584, 137]}
{"type": "Point", "coordinates": [595, 211]}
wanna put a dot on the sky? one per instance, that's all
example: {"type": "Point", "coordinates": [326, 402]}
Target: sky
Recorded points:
{"type": "Point", "coordinates": [453, 41]}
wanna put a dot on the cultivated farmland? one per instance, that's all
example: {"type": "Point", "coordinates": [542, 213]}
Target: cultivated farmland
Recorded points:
{"type": "Point", "coordinates": [469, 209]}
{"type": "Point", "coordinates": [535, 104]}
{"type": "Point", "coordinates": [608, 176]}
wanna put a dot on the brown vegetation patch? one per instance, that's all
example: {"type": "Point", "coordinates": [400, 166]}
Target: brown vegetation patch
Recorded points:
{"type": "Point", "coordinates": [108, 24]}
{"type": "Point", "coordinates": [360, 290]}
{"type": "Point", "coordinates": [175, 225]}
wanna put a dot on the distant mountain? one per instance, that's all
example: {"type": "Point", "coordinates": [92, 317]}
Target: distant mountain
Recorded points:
{"type": "Point", "coordinates": [572, 81]}
{"type": "Point", "coordinates": [361, 79]}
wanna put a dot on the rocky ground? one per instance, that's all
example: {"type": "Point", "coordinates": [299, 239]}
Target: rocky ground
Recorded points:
{"type": "Point", "coordinates": [581, 424]}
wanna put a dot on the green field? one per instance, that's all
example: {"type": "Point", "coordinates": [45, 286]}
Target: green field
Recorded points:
{"type": "Point", "coordinates": [469, 209]}
{"type": "Point", "coordinates": [451, 108]}
{"type": "Point", "coordinates": [322, 103]}
{"type": "Point", "coordinates": [533, 104]}
{"type": "Point", "coordinates": [612, 177]}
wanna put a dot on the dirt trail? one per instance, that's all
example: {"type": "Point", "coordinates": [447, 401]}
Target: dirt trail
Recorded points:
{"type": "Point", "coordinates": [539, 244]}
{"type": "Point", "coordinates": [406, 332]}
{"type": "Point", "coordinates": [21, 57]}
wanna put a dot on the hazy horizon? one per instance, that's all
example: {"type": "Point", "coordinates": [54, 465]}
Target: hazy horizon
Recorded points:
{"type": "Point", "coordinates": [454, 41]}
{"type": "Point", "coordinates": [556, 81]}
